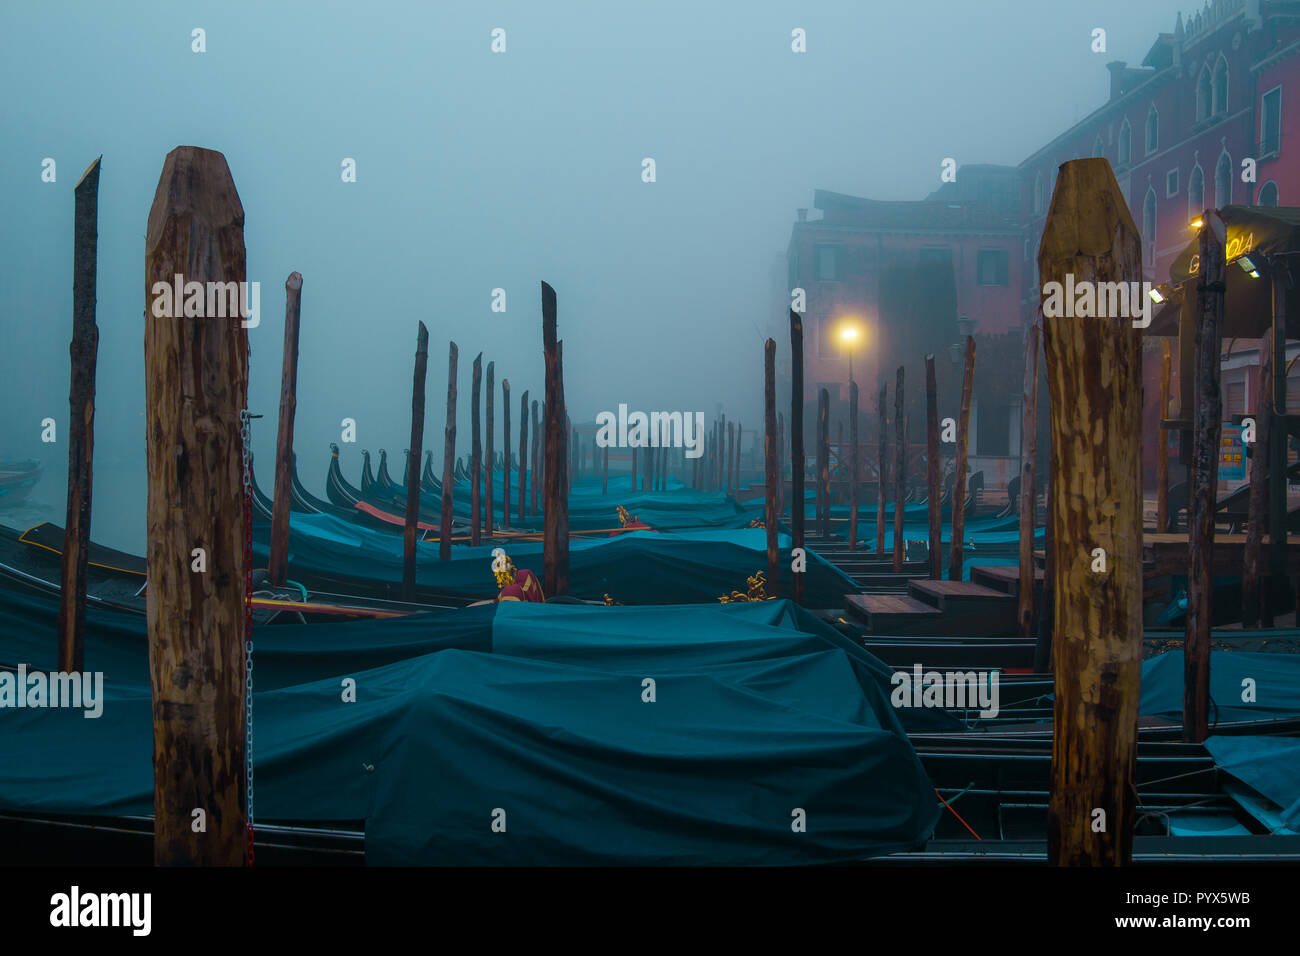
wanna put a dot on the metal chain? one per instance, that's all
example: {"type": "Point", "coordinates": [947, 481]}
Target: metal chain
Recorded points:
{"type": "Point", "coordinates": [245, 425]}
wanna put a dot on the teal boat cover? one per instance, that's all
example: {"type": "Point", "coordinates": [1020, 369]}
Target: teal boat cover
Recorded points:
{"type": "Point", "coordinates": [517, 734]}
{"type": "Point", "coordinates": [1244, 685]}
{"type": "Point", "coordinates": [1268, 765]}
{"type": "Point", "coordinates": [637, 567]}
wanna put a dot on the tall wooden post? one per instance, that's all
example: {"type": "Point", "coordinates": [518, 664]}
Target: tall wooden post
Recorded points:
{"type": "Point", "coordinates": [1204, 480]}
{"type": "Point", "coordinates": [883, 467]}
{"type": "Point", "coordinates": [279, 557]}
{"type": "Point", "coordinates": [780, 458]}
{"type": "Point", "coordinates": [490, 450]}
{"type": "Point", "coordinates": [413, 465]}
{"type": "Point", "coordinates": [823, 462]}
{"type": "Point", "coordinates": [955, 555]}
{"type": "Point", "coordinates": [1280, 276]}
{"type": "Point", "coordinates": [523, 456]}
{"type": "Point", "coordinates": [1028, 468]}
{"type": "Point", "coordinates": [554, 467]}
{"type": "Point", "coordinates": [1258, 501]}
{"type": "Point", "coordinates": [635, 451]}
{"type": "Point", "coordinates": [196, 385]}
{"type": "Point", "coordinates": [900, 470]}
{"type": "Point", "coordinates": [1162, 443]}
{"type": "Point", "coordinates": [797, 458]}
{"type": "Point", "coordinates": [731, 457]}
{"type": "Point", "coordinates": [1094, 375]}
{"type": "Point", "coordinates": [771, 469]}
{"type": "Point", "coordinates": [932, 469]}
{"type": "Point", "coordinates": [505, 459]}
{"type": "Point", "coordinates": [853, 466]}
{"type": "Point", "coordinates": [562, 456]}
{"type": "Point", "coordinates": [604, 470]}
{"type": "Point", "coordinates": [448, 458]}
{"type": "Point", "coordinates": [1047, 608]}
{"type": "Point", "coordinates": [476, 452]}
{"type": "Point", "coordinates": [84, 353]}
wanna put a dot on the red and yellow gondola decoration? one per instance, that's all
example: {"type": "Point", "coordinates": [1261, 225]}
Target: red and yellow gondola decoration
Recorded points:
{"type": "Point", "coordinates": [628, 522]}
{"type": "Point", "coordinates": [515, 585]}
{"type": "Point", "coordinates": [757, 591]}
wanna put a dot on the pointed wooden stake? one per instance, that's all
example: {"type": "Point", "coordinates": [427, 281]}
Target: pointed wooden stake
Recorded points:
{"type": "Point", "coordinates": [448, 458]}
{"type": "Point", "coordinates": [883, 466]}
{"type": "Point", "coordinates": [956, 554]}
{"type": "Point", "coordinates": [505, 461]}
{"type": "Point", "coordinates": [411, 529]}
{"type": "Point", "coordinates": [84, 352]}
{"type": "Point", "coordinates": [1028, 476]}
{"type": "Point", "coordinates": [853, 466]}
{"type": "Point", "coordinates": [1094, 375]}
{"type": "Point", "coordinates": [770, 465]}
{"type": "Point", "coordinates": [1162, 443]}
{"type": "Point", "coordinates": [278, 565]}
{"type": "Point", "coordinates": [490, 460]}
{"type": "Point", "coordinates": [900, 470]}
{"type": "Point", "coordinates": [933, 483]}
{"type": "Point", "coordinates": [476, 453]}
{"type": "Point", "coordinates": [523, 456]}
{"type": "Point", "coordinates": [823, 463]}
{"type": "Point", "coordinates": [555, 550]}
{"type": "Point", "coordinates": [196, 385]}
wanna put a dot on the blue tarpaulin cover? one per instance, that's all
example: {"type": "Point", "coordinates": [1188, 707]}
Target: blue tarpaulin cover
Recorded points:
{"type": "Point", "coordinates": [532, 714]}
{"type": "Point", "coordinates": [1269, 765]}
{"type": "Point", "coordinates": [1275, 686]}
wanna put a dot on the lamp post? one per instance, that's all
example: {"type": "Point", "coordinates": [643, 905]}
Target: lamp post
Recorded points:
{"type": "Point", "coordinates": [849, 335]}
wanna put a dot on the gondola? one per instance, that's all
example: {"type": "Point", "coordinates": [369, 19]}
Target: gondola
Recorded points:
{"type": "Point", "coordinates": [17, 479]}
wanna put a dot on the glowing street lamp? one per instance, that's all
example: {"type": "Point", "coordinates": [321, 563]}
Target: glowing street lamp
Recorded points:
{"type": "Point", "coordinates": [849, 335]}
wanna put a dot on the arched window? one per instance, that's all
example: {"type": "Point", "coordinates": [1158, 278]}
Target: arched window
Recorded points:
{"type": "Point", "coordinates": [1153, 130]}
{"type": "Point", "coordinates": [1223, 181]}
{"type": "Point", "coordinates": [1204, 93]}
{"type": "Point", "coordinates": [1098, 147]}
{"type": "Point", "coordinates": [1038, 192]}
{"type": "Point", "coordinates": [1125, 142]}
{"type": "Point", "coordinates": [1268, 194]}
{"type": "Point", "coordinates": [1220, 99]}
{"type": "Point", "coordinates": [1149, 218]}
{"type": "Point", "coordinates": [1195, 193]}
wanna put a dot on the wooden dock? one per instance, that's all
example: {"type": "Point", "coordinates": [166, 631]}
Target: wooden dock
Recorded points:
{"type": "Point", "coordinates": [1167, 554]}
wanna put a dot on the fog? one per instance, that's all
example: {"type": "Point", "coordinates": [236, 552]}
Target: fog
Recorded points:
{"type": "Point", "coordinates": [478, 171]}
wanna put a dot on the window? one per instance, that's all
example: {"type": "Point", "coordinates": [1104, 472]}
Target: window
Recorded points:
{"type": "Point", "coordinates": [1203, 94]}
{"type": "Point", "coordinates": [991, 266]}
{"type": "Point", "coordinates": [1149, 218]}
{"type": "Point", "coordinates": [1195, 193]}
{"type": "Point", "coordinates": [1098, 147]}
{"type": "Point", "coordinates": [936, 255]}
{"type": "Point", "coordinates": [1270, 126]}
{"type": "Point", "coordinates": [1153, 130]}
{"type": "Point", "coordinates": [1038, 192]}
{"type": "Point", "coordinates": [1223, 181]}
{"type": "Point", "coordinates": [1267, 194]}
{"type": "Point", "coordinates": [827, 257]}
{"type": "Point", "coordinates": [1220, 98]}
{"type": "Point", "coordinates": [1125, 142]}
{"type": "Point", "coordinates": [1171, 183]}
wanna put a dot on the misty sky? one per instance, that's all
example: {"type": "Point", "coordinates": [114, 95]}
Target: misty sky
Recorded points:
{"type": "Point", "coordinates": [478, 171]}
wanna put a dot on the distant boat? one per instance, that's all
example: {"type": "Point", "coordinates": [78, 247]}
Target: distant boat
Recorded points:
{"type": "Point", "coordinates": [17, 479]}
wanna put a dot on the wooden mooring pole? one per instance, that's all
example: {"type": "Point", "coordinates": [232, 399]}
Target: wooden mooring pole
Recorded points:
{"type": "Point", "coordinates": [900, 470]}
{"type": "Point", "coordinates": [1162, 442]}
{"type": "Point", "coordinates": [536, 458]}
{"type": "Point", "coordinates": [1028, 496]}
{"type": "Point", "coordinates": [1094, 375]}
{"type": "Point", "coordinates": [771, 466]}
{"type": "Point", "coordinates": [490, 450]}
{"type": "Point", "coordinates": [854, 476]}
{"type": "Point", "coordinates": [505, 453]}
{"type": "Point", "coordinates": [554, 451]}
{"type": "Point", "coordinates": [883, 468]}
{"type": "Point", "coordinates": [523, 456]}
{"type": "Point", "coordinates": [196, 386]}
{"type": "Point", "coordinates": [1279, 271]}
{"type": "Point", "coordinates": [476, 452]}
{"type": "Point", "coordinates": [932, 471]}
{"type": "Point", "coordinates": [278, 565]}
{"type": "Point", "coordinates": [1204, 479]}
{"type": "Point", "coordinates": [411, 530]}
{"type": "Point", "coordinates": [448, 458]}
{"type": "Point", "coordinates": [823, 463]}
{"type": "Point", "coordinates": [956, 552]}
{"type": "Point", "coordinates": [84, 354]}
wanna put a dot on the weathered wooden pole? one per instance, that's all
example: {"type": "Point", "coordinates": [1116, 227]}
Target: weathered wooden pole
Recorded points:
{"type": "Point", "coordinates": [933, 490]}
{"type": "Point", "coordinates": [84, 354]}
{"type": "Point", "coordinates": [278, 564]}
{"type": "Point", "coordinates": [489, 450]}
{"type": "Point", "coordinates": [771, 467]}
{"type": "Point", "coordinates": [1204, 479]}
{"type": "Point", "coordinates": [523, 456]}
{"type": "Point", "coordinates": [554, 467]}
{"type": "Point", "coordinates": [1028, 476]}
{"type": "Point", "coordinates": [1094, 375]}
{"type": "Point", "coordinates": [562, 517]}
{"type": "Point", "coordinates": [853, 466]}
{"type": "Point", "coordinates": [1280, 276]}
{"type": "Point", "coordinates": [635, 451]}
{"type": "Point", "coordinates": [410, 532]}
{"type": "Point", "coordinates": [780, 457]}
{"type": "Point", "coordinates": [731, 457]}
{"type": "Point", "coordinates": [823, 462]}
{"type": "Point", "coordinates": [900, 470]}
{"type": "Point", "coordinates": [1162, 443]}
{"type": "Point", "coordinates": [883, 466]}
{"type": "Point", "coordinates": [604, 470]}
{"type": "Point", "coordinates": [196, 386]}
{"type": "Point", "coordinates": [797, 458]}
{"type": "Point", "coordinates": [448, 458]}
{"type": "Point", "coordinates": [1047, 607]}
{"type": "Point", "coordinates": [476, 453]}
{"type": "Point", "coordinates": [959, 472]}
{"type": "Point", "coordinates": [1258, 501]}
{"type": "Point", "coordinates": [505, 460]}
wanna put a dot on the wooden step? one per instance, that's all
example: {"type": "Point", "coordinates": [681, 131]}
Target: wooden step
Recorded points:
{"type": "Point", "coordinates": [883, 612]}
{"type": "Point", "coordinates": [956, 596]}
{"type": "Point", "coordinates": [1004, 578]}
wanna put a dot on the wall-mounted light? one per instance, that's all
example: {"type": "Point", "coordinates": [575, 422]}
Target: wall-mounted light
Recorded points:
{"type": "Point", "coordinates": [1156, 296]}
{"type": "Point", "coordinates": [1248, 266]}
{"type": "Point", "coordinates": [1197, 223]}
